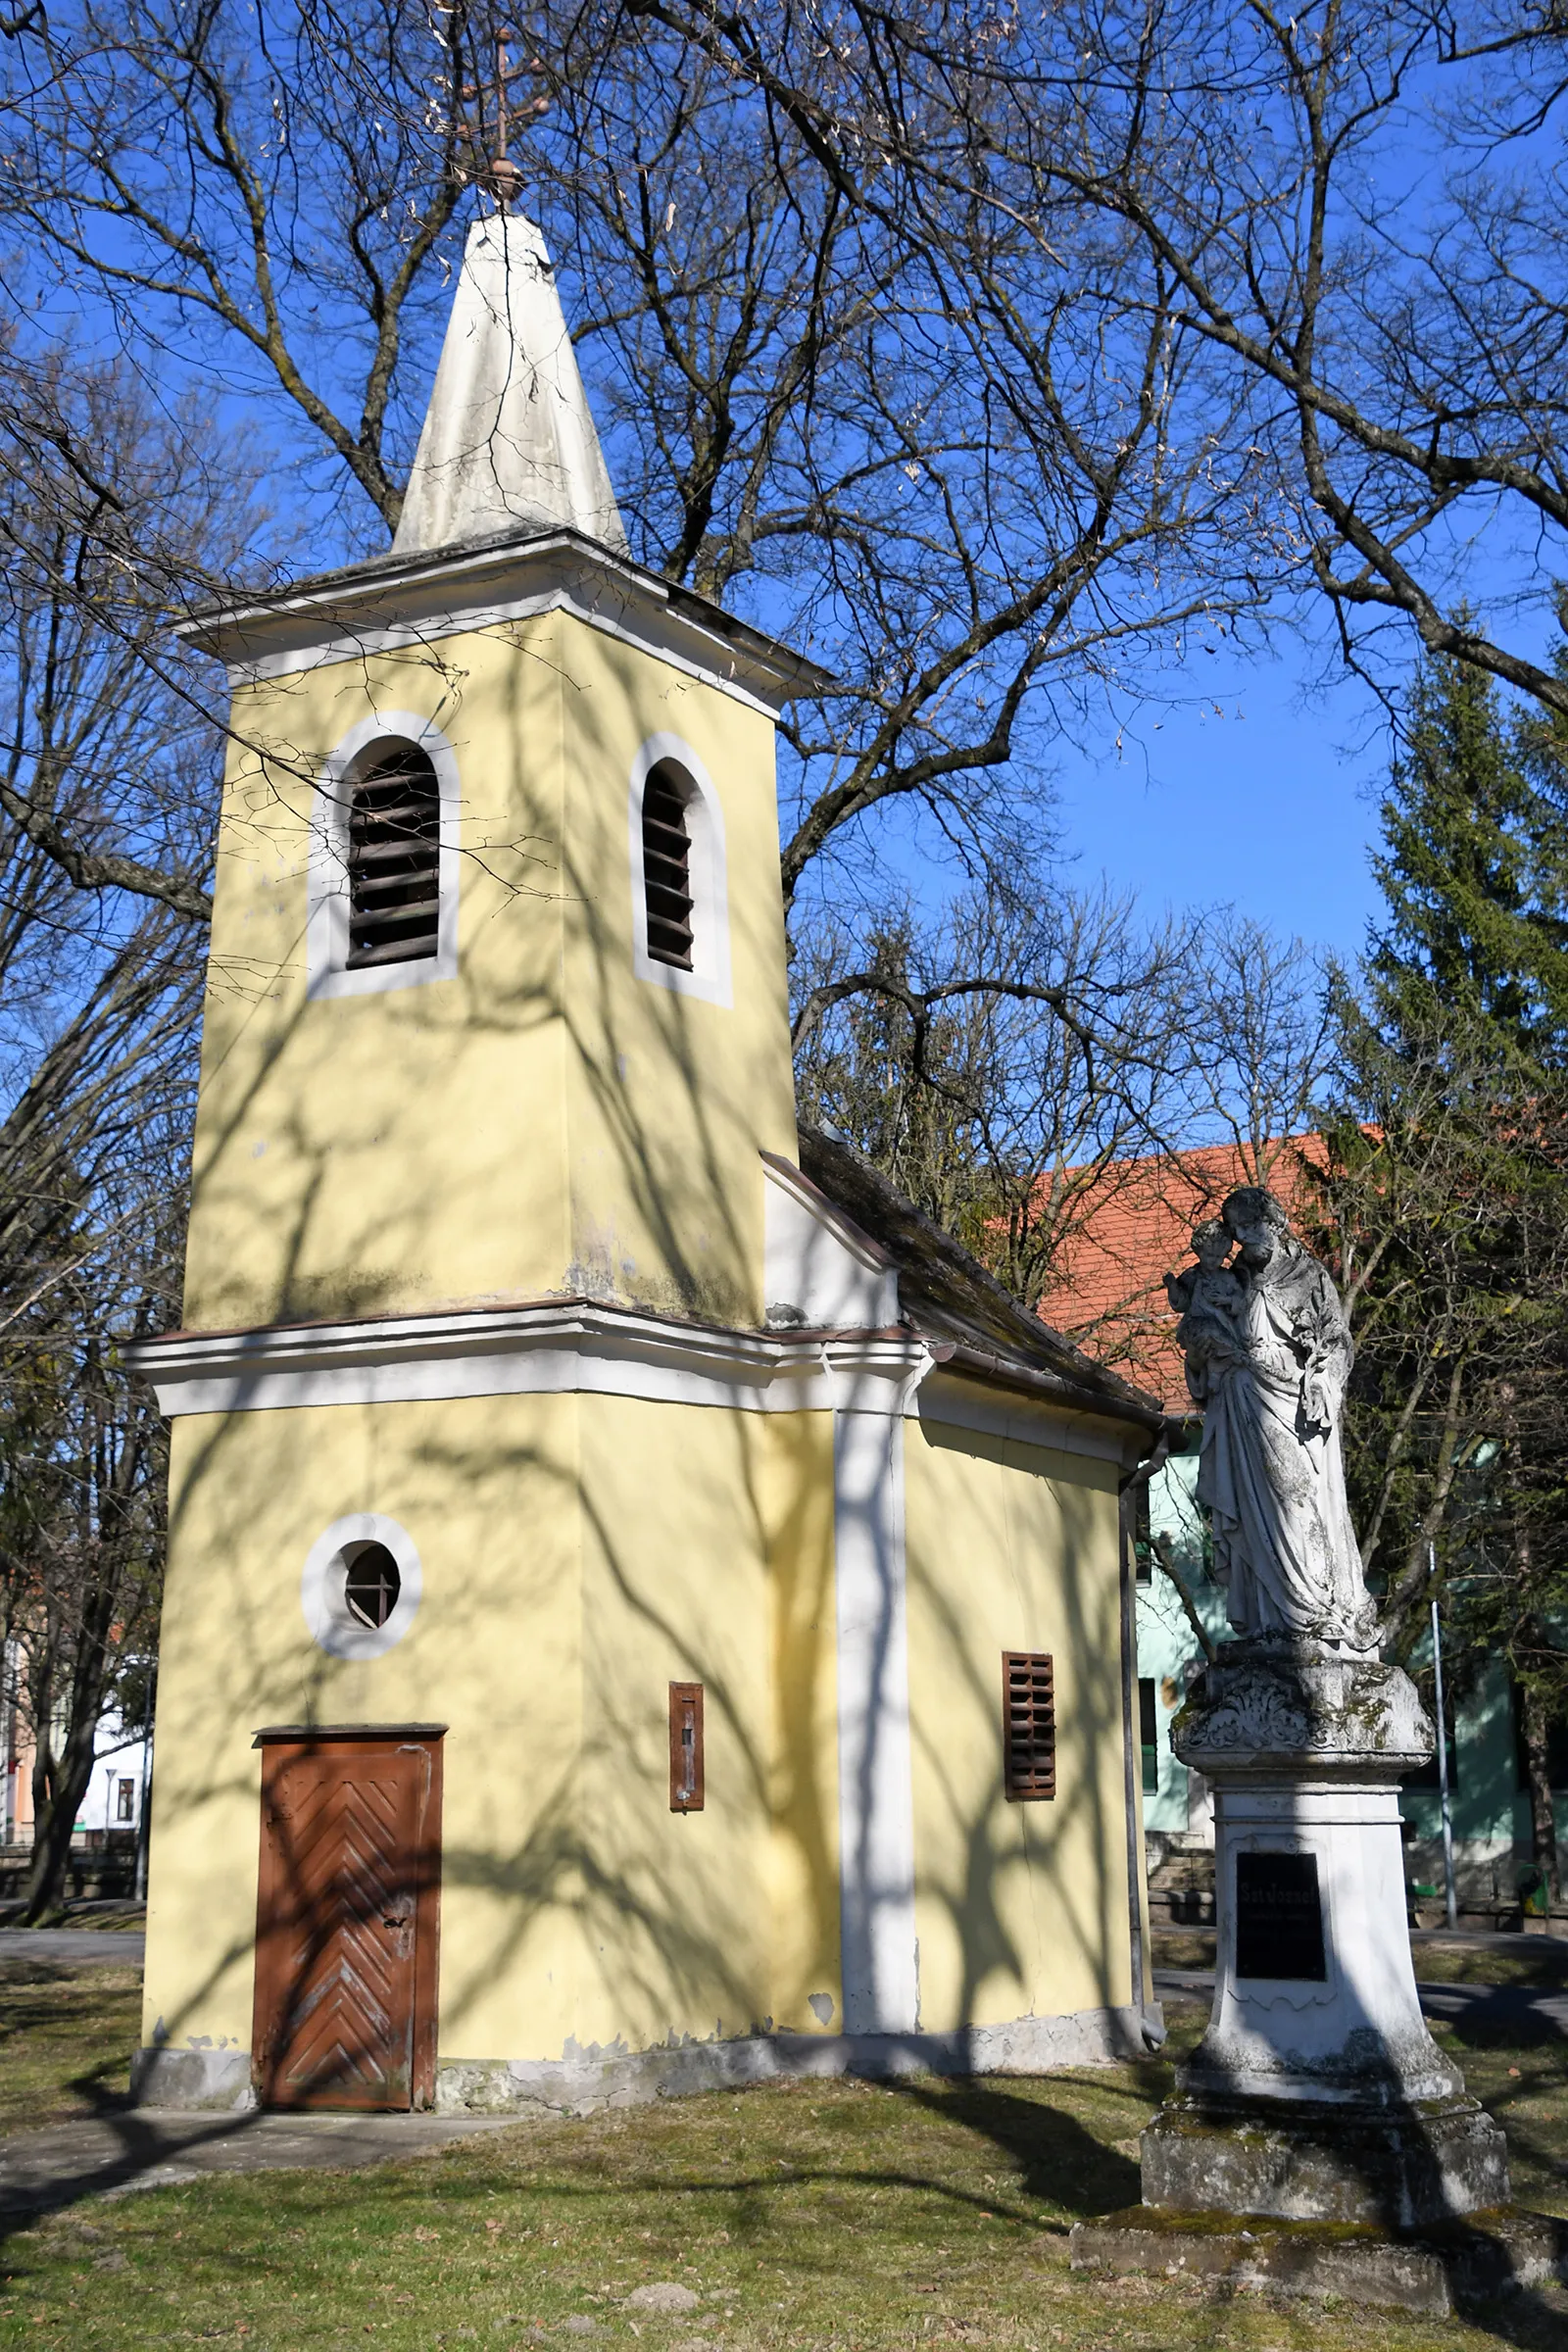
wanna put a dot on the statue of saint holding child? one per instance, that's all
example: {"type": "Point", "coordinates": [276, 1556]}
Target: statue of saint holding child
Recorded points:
{"type": "Point", "coordinates": [1268, 1354]}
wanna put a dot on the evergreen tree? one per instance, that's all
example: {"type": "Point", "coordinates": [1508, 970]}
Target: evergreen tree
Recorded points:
{"type": "Point", "coordinates": [1449, 1192]}
{"type": "Point", "coordinates": [1473, 869]}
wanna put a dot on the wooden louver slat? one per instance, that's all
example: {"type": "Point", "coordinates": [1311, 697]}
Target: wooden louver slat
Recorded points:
{"type": "Point", "coordinates": [1028, 1726]}
{"type": "Point", "coordinates": [667, 871]}
{"type": "Point", "coordinates": [394, 861]}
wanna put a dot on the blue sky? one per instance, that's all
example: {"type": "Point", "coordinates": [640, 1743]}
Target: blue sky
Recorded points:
{"type": "Point", "coordinates": [1271, 806]}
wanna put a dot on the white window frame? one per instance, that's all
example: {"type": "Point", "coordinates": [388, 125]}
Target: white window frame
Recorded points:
{"type": "Point", "coordinates": [709, 978]}
{"type": "Point", "coordinates": [333, 1624]}
{"type": "Point", "coordinates": [327, 930]}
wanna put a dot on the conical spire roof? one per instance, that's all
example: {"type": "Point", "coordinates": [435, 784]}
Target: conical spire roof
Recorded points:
{"type": "Point", "coordinates": [508, 439]}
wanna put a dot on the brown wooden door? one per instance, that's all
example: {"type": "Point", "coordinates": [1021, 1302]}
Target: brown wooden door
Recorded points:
{"type": "Point", "coordinates": [346, 1922]}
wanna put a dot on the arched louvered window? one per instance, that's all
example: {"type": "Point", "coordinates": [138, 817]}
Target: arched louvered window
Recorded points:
{"type": "Point", "coordinates": [679, 891]}
{"type": "Point", "coordinates": [394, 859]}
{"type": "Point", "coordinates": [667, 868]}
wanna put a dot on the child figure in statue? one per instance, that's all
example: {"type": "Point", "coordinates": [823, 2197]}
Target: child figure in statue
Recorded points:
{"type": "Point", "coordinates": [1210, 1302]}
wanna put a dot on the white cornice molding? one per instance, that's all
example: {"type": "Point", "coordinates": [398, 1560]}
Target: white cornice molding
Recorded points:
{"type": "Point", "coordinates": [574, 1348]}
{"type": "Point", "coordinates": [395, 603]}
{"type": "Point", "coordinates": [567, 1348]}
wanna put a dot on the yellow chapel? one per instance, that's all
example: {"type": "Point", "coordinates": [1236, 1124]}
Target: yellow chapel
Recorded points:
{"type": "Point", "coordinates": [645, 1612]}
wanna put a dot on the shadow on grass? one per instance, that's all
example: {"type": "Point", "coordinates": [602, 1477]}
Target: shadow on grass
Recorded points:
{"type": "Point", "coordinates": [45, 2000]}
{"type": "Point", "coordinates": [1057, 2159]}
{"type": "Point", "coordinates": [1521, 2316]}
{"type": "Point", "coordinates": [139, 2146]}
{"type": "Point", "coordinates": [44, 2005]}
{"type": "Point", "coordinates": [1506, 2017]}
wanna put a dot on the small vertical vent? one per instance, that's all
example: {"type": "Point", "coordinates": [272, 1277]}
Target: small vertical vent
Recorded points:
{"type": "Point", "coordinates": [394, 861]}
{"type": "Point", "coordinates": [1028, 1724]}
{"type": "Point", "coordinates": [686, 1770]}
{"type": "Point", "coordinates": [1148, 1733]}
{"type": "Point", "coordinates": [667, 870]}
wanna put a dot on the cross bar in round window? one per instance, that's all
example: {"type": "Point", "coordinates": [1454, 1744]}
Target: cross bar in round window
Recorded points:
{"type": "Point", "coordinates": [372, 1584]}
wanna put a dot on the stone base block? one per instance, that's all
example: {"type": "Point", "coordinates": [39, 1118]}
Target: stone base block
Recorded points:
{"type": "Point", "coordinates": [1393, 2169]}
{"type": "Point", "coordinates": [206, 2082]}
{"type": "Point", "coordinates": [1431, 2271]}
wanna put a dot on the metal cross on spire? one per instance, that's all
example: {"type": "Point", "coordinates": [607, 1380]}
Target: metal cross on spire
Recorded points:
{"type": "Point", "coordinates": [501, 176]}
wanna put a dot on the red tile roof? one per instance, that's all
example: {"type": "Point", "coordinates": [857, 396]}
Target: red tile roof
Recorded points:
{"type": "Point", "coordinates": [1107, 1291]}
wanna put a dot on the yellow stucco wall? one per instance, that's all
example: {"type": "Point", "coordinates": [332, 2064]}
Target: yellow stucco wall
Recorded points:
{"type": "Point", "coordinates": [545, 1121]}
{"type": "Point", "coordinates": [1019, 1908]}
{"type": "Point", "coordinates": [579, 1554]}
{"type": "Point", "coordinates": [700, 1537]}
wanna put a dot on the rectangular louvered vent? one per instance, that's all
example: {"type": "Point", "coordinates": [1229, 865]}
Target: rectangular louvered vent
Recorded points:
{"type": "Point", "coordinates": [1028, 1724]}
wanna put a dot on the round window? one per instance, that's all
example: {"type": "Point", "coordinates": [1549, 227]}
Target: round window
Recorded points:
{"type": "Point", "coordinates": [361, 1585]}
{"type": "Point", "coordinates": [372, 1584]}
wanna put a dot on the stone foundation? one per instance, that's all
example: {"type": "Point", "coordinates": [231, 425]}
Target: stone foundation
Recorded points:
{"type": "Point", "coordinates": [584, 2080]}
{"type": "Point", "coordinates": [1431, 2273]}
{"type": "Point", "coordinates": [1317, 2093]}
{"type": "Point", "coordinates": [1284, 2160]}
{"type": "Point", "coordinates": [203, 2081]}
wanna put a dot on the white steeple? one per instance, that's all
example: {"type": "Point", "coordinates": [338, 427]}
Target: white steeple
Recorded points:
{"type": "Point", "coordinates": [508, 437]}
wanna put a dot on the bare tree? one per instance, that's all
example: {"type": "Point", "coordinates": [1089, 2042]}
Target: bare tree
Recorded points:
{"type": "Point", "coordinates": [956, 449]}
{"type": "Point", "coordinates": [1037, 1059]}
{"type": "Point", "coordinates": [92, 1169]}
{"type": "Point", "coordinates": [1263, 1040]}
{"type": "Point", "coordinates": [998, 1062]}
{"type": "Point", "coordinates": [999, 358]}
{"type": "Point", "coordinates": [81, 1520]}
{"type": "Point", "coordinates": [106, 776]}
{"type": "Point", "coordinates": [1354, 206]}
{"type": "Point", "coordinates": [112, 510]}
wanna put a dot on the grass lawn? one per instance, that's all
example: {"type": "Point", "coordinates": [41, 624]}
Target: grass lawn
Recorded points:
{"type": "Point", "coordinates": [1531, 1960]}
{"type": "Point", "coordinates": [831, 2215]}
{"type": "Point", "coordinates": [65, 2037]}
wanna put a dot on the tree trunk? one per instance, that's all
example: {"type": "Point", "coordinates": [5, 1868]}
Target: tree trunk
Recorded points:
{"type": "Point", "coordinates": [53, 1822]}
{"type": "Point", "coordinates": [66, 1781]}
{"type": "Point", "coordinates": [1543, 1814]}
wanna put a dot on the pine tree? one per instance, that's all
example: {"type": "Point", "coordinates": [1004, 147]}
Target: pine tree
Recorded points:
{"type": "Point", "coordinates": [1450, 1187]}
{"type": "Point", "coordinates": [1473, 868]}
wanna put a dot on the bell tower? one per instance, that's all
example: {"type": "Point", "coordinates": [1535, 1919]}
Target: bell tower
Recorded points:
{"type": "Point", "coordinates": [496, 1007]}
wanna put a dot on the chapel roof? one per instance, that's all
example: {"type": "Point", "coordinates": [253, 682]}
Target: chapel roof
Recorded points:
{"type": "Point", "coordinates": [948, 1296]}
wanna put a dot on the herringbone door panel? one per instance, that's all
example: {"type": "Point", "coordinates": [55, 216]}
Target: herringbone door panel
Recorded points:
{"type": "Point", "coordinates": [336, 1944]}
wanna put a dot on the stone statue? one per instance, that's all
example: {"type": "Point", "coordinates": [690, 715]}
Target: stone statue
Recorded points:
{"type": "Point", "coordinates": [1268, 1354]}
{"type": "Point", "coordinates": [1317, 2093]}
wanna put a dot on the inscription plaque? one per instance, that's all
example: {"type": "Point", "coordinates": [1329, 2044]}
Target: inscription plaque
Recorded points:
{"type": "Point", "coordinates": [1279, 1917]}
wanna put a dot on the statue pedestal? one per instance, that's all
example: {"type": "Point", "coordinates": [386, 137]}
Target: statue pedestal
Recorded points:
{"type": "Point", "coordinates": [1317, 2093]}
